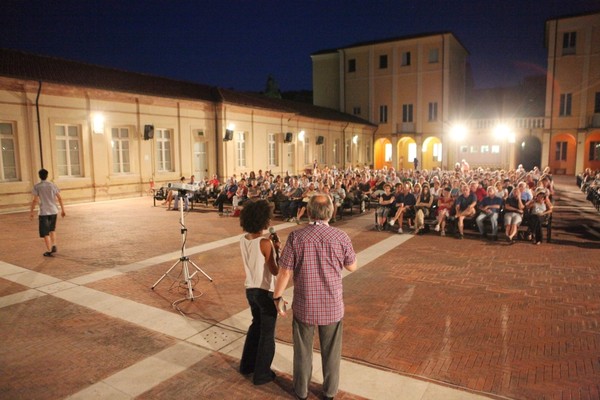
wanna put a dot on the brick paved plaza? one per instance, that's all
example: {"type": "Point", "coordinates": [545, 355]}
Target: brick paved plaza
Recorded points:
{"type": "Point", "coordinates": [426, 317]}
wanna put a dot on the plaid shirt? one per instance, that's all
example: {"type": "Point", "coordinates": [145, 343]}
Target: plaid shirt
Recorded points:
{"type": "Point", "coordinates": [317, 254]}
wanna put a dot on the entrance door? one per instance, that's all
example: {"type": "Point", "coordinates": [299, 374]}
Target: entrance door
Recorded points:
{"type": "Point", "coordinates": [530, 153]}
{"type": "Point", "coordinates": [290, 158]}
{"type": "Point", "coordinates": [200, 160]}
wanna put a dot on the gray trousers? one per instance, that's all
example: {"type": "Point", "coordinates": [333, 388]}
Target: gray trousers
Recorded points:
{"type": "Point", "coordinates": [330, 339]}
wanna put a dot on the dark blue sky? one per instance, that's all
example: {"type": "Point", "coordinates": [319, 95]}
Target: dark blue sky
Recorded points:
{"type": "Point", "coordinates": [236, 44]}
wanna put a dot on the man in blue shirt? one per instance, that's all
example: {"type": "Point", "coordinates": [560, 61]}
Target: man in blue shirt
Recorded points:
{"type": "Point", "coordinates": [490, 209]}
{"type": "Point", "coordinates": [465, 207]}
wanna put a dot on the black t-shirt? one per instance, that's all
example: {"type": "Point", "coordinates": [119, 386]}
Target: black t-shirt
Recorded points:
{"type": "Point", "coordinates": [387, 197]}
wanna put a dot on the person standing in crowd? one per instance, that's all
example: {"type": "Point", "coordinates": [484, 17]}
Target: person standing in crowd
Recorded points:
{"type": "Point", "coordinates": [259, 255]}
{"type": "Point", "coordinates": [46, 194]}
{"type": "Point", "coordinates": [315, 256]}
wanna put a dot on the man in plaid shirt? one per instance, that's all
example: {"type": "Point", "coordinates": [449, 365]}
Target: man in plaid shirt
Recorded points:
{"type": "Point", "coordinates": [315, 256]}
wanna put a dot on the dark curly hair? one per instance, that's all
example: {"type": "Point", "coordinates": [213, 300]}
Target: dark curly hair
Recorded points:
{"type": "Point", "coordinates": [256, 215]}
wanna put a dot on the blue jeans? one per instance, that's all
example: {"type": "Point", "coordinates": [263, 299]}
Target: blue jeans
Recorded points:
{"type": "Point", "coordinates": [493, 217]}
{"type": "Point", "coordinates": [259, 348]}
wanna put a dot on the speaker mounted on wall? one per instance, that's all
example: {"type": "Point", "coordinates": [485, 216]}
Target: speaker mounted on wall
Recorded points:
{"type": "Point", "coordinates": [228, 135]}
{"type": "Point", "coordinates": [288, 137]}
{"type": "Point", "coordinates": [320, 139]}
{"type": "Point", "coordinates": [148, 132]}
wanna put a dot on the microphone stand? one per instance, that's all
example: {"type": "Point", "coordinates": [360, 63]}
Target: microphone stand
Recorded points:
{"type": "Point", "coordinates": [184, 260]}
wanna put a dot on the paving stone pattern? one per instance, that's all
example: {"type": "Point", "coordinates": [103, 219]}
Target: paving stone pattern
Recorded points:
{"type": "Point", "coordinates": [519, 322]}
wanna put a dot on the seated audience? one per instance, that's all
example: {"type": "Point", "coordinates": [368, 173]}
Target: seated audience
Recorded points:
{"type": "Point", "coordinates": [489, 209]}
{"type": "Point", "coordinates": [422, 207]}
{"type": "Point", "coordinates": [386, 201]}
{"type": "Point", "coordinates": [444, 210]}
{"type": "Point", "coordinates": [465, 207]}
{"type": "Point", "coordinates": [539, 207]}
{"type": "Point", "coordinates": [513, 215]}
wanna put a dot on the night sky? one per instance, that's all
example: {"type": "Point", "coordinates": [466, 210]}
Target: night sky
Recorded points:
{"type": "Point", "coordinates": [237, 44]}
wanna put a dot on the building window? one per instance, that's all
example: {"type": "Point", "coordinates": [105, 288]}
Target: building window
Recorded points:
{"type": "Point", "coordinates": [569, 43]}
{"type": "Point", "coordinates": [272, 151]}
{"type": "Point", "coordinates": [565, 105]}
{"type": "Point", "coordinates": [561, 151]}
{"type": "Point", "coordinates": [68, 149]}
{"type": "Point", "coordinates": [383, 114]}
{"type": "Point", "coordinates": [433, 111]}
{"type": "Point", "coordinates": [434, 55]}
{"type": "Point", "coordinates": [437, 152]}
{"type": "Point", "coordinates": [356, 110]}
{"type": "Point", "coordinates": [163, 150]}
{"type": "Point", "coordinates": [485, 148]}
{"type": "Point", "coordinates": [597, 103]}
{"type": "Point", "coordinates": [120, 150]}
{"type": "Point", "coordinates": [594, 151]}
{"type": "Point", "coordinates": [8, 156]}
{"type": "Point", "coordinates": [307, 157]}
{"type": "Point", "coordinates": [405, 58]}
{"type": "Point", "coordinates": [336, 151]}
{"type": "Point", "coordinates": [407, 113]}
{"type": "Point", "coordinates": [388, 152]}
{"type": "Point", "coordinates": [321, 153]}
{"type": "Point", "coordinates": [352, 65]}
{"type": "Point", "coordinates": [383, 61]}
{"type": "Point", "coordinates": [495, 149]}
{"type": "Point", "coordinates": [240, 149]}
{"type": "Point", "coordinates": [348, 150]}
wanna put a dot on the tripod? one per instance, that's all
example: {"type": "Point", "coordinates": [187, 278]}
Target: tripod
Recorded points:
{"type": "Point", "coordinates": [184, 260]}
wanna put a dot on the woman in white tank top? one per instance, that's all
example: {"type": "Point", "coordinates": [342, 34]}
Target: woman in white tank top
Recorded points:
{"type": "Point", "coordinates": [259, 255]}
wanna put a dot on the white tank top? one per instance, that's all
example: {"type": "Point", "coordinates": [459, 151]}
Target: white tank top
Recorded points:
{"type": "Point", "coordinates": [258, 275]}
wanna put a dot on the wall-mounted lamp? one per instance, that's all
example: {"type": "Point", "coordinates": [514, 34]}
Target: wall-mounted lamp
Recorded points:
{"type": "Point", "coordinates": [98, 124]}
{"type": "Point", "coordinates": [355, 139]}
{"type": "Point", "coordinates": [301, 135]}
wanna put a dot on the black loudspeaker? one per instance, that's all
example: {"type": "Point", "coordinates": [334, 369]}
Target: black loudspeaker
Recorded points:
{"type": "Point", "coordinates": [320, 139]}
{"type": "Point", "coordinates": [228, 135]}
{"type": "Point", "coordinates": [288, 137]}
{"type": "Point", "coordinates": [148, 132]}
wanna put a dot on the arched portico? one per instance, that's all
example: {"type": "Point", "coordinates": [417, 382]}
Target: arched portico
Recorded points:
{"type": "Point", "coordinates": [407, 151]}
{"type": "Point", "coordinates": [431, 153]}
{"type": "Point", "coordinates": [383, 153]}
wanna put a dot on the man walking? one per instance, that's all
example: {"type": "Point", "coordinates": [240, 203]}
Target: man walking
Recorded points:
{"type": "Point", "coordinates": [315, 256]}
{"type": "Point", "coordinates": [46, 194]}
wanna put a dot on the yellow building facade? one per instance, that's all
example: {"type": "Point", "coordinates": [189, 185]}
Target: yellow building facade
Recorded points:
{"type": "Point", "coordinates": [412, 87]}
{"type": "Point", "coordinates": [104, 134]}
{"type": "Point", "coordinates": [572, 135]}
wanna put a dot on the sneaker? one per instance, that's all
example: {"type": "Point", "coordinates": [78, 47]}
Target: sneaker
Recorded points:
{"type": "Point", "coordinates": [392, 221]}
{"type": "Point", "coordinates": [53, 249]}
{"type": "Point", "coordinates": [461, 236]}
{"type": "Point", "coordinates": [443, 233]}
{"type": "Point", "coordinates": [400, 230]}
{"type": "Point", "coordinates": [538, 243]}
{"type": "Point", "coordinates": [48, 254]}
{"type": "Point", "coordinates": [437, 228]}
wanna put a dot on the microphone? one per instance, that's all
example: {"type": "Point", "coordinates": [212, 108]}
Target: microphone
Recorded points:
{"type": "Point", "coordinates": [275, 238]}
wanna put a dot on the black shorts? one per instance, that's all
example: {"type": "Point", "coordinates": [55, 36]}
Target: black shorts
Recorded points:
{"type": "Point", "coordinates": [47, 224]}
